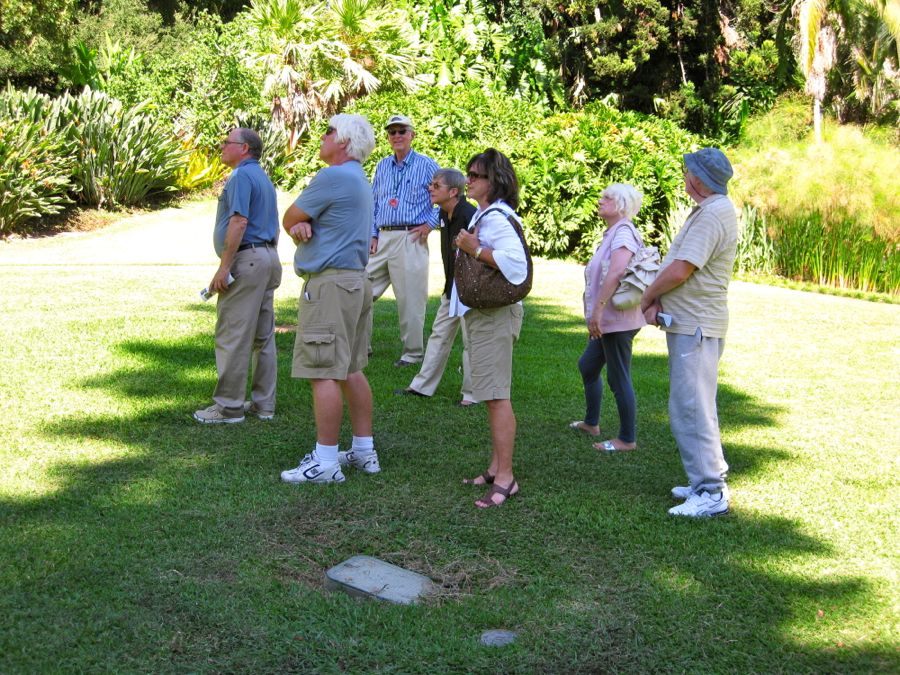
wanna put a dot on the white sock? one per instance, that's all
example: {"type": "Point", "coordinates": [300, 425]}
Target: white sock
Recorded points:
{"type": "Point", "coordinates": [327, 453]}
{"type": "Point", "coordinates": [364, 445]}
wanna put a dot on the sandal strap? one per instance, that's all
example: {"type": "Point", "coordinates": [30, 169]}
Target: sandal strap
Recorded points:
{"type": "Point", "coordinates": [497, 489]}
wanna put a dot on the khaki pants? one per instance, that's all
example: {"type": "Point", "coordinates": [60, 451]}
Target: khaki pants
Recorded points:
{"type": "Point", "coordinates": [402, 262]}
{"type": "Point", "coordinates": [437, 352]}
{"type": "Point", "coordinates": [245, 333]}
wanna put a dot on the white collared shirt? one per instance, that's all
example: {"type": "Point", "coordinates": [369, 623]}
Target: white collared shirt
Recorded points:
{"type": "Point", "coordinates": [496, 232]}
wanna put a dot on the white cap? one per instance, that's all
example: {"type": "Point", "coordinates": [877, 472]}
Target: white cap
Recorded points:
{"type": "Point", "coordinates": [398, 121]}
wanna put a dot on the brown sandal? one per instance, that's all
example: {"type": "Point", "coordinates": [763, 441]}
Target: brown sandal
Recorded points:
{"type": "Point", "coordinates": [487, 502]}
{"type": "Point", "coordinates": [486, 477]}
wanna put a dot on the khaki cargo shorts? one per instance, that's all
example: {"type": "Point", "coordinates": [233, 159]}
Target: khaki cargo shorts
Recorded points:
{"type": "Point", "coordinates": [334, 322]}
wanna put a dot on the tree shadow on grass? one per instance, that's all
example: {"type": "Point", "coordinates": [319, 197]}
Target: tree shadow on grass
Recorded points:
{"type": "Point", "coordinates": [188, 538]}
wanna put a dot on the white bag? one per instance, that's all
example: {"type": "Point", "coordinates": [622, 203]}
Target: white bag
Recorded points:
{"type": "Point", "coordinates": [640, 273]}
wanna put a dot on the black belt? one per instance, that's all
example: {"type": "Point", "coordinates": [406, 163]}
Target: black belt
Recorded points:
{"type": "Point", "coordinates": [396, 227]}
{"type": "Point", "coordinates": [267, 244]}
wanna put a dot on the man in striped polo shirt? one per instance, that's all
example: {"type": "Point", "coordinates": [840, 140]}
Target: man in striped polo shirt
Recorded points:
{"type": "Point", "coordinates": [404, 216]}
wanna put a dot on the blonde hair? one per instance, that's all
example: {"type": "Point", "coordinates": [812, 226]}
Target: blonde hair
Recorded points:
{"type": "Point", "coordinates": [626, 197]}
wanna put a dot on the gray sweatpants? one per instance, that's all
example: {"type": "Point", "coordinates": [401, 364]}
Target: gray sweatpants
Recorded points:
{"type": "Point", "coordinates": [693, 380]}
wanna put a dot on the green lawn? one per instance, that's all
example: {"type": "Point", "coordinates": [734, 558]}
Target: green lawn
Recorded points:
{"type": "Point", "coordinates": [133, 539]}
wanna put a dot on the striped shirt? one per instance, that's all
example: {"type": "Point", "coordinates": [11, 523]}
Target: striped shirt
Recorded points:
{"type": "Point", "coordinates": [401, 193]}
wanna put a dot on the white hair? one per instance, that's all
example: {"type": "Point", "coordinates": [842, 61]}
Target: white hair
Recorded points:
{"type": "Point", "coordinates": [356, 130]}
{"type": "Point", "coordinates": [626, 197]}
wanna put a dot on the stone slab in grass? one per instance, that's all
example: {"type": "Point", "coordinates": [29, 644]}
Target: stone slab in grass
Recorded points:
{"type": "Point", "coordinates": [366, 577]}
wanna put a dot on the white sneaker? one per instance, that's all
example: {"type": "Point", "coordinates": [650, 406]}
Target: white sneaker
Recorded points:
{"type": "Point", "coordinates": [681, 492]}
{"type": "Point", "coordinates": [364, 461]}
{"type": "Point", "coordinates": [311, 470]}
{"type": "Point", "coordinates": [212, 415]}
{"type": "Point", "coordinates": [702, 505]}
{"type": "Point", "coordinates": [251, 409]}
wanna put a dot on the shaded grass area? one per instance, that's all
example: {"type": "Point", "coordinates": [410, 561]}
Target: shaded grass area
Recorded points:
{"type": "Point", "coordinates": [136, 540]}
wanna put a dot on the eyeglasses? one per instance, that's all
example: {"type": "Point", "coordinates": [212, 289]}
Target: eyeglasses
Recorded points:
{"type": "Point", "coordinates": [396, 132]}
{"type": "Point", "coordinates": [329, 131]}
{"type": "Point", "coordinates": [474, 174]}
{"type": "Point", "coordinates": [232, 142]}
{"type": "Point", "coordinates": [437, 186]}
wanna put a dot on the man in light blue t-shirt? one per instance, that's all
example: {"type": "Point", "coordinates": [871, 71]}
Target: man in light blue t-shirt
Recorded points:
{"type": "Point", "coordinates": [331, 224]}
{"type": "Point", "coordinates": [245, 239]}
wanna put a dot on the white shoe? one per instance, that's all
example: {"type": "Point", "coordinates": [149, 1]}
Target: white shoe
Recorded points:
{"type": "Point", "coordinates": [251, 409]}
{"type": "Point", "coordinates": [212, 415]}
{"type": "Point", "coordinates": [364, 461]}
{"type": "Point", "coordinates": [702, 505]}
{"type": "Point", "coordinates": [681, 492]}
{"type": "Point", "coordinates": [311, 470]}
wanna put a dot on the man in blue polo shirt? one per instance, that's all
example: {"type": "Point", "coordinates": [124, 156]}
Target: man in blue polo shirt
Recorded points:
{"type": "Point", "coordinates": [245, 239]}
{"type": "Point", "coordinates": [404, 216]}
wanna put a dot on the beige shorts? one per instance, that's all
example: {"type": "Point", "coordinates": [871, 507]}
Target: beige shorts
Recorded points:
{"type": "Point", "coordinates": [334, 322]}
{"type": "Point", "coordinates": [491, 334]}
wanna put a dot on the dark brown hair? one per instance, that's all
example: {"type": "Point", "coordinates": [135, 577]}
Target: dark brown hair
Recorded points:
{"type": "Point", "coordinates": [500, 175]}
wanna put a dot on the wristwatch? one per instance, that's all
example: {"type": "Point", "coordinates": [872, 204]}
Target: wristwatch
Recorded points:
{"type": "Point", "coordinates": [478, 252]}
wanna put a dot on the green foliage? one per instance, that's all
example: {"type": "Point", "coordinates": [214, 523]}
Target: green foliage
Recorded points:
{"type": "Point", "coordinates": [35, 165]}
{"type": "Point", "coordinates": [845, 254]}
{"type": "Point", "coordinates": [572, 157]}
{"type": "Point", "coordinates": [32, 39]}
{"type": "Point", "coordinates": [318, 57]}
{"type": "Point", "coordinates": [563, 162]}
{"type": "Point", "coordinates": [755, 249]}
{"type": "Point", "coordinates": [123, 154]}
{"type": "Point", "coordinates": [853, 176]}
{"type": "Point", "coordinates": [196, 78]}
{"type": "Point", "coordinates": [201, 170]}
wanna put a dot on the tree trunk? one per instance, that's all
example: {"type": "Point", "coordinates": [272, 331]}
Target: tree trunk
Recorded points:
{"type": "Point", "coordinates": [817, 119]}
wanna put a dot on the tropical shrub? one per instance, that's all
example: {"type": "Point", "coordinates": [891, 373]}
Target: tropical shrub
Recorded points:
{"type": "Point", "coordinates": [196, 78]}
{"type": "Point", "coordinates": [202, 170]}
{"type": "Point", "coordinates": [123, 154]}
{"type": "Point", "coordinates": [563, 161]}
{"type": "Point", "coordinates": [317, 57]}
{"type": "Point", "coordinates": [571, 157]}
{"type": "Point", "coordinates": [35, 164]}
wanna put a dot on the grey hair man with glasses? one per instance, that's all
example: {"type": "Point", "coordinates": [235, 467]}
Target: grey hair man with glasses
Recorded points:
{"type": "Point", "coordinates": [447, 190]}
{"type": "Point", "coordinates": [245, 239]}
{"type": "Point", "coordinates": [331, 224]}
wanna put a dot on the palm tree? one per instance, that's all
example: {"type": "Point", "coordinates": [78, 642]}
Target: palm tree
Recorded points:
{"type": "Point", "coordinates": [319, 57]}
{"type": "Point", "coordinates": [821, 24]}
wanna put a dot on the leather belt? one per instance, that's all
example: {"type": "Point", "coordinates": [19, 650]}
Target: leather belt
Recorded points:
{"type": "Point", "coordinates": [384, 228]}
{"type": "Point", "coordinates": [267, 244]}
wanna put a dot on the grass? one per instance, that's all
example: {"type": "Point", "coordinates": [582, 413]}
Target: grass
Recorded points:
{"type": "Point", "coordinates": [135, 540]}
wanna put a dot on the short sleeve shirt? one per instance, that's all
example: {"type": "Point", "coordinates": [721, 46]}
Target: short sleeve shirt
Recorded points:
{"type": "Point", "coordinates": [708, 240]}
{"type": "Point", "coordinates": [339, 201]}
{"type": "Point", "coordinates": [248, 192]}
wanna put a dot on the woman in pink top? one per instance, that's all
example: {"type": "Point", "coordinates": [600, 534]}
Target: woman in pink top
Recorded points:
{"type": "Point", "coordinates": [611, 332]}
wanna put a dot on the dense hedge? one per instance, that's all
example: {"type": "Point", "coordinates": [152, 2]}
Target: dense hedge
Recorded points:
{"type": "Point", "coordinates": [563, 161]}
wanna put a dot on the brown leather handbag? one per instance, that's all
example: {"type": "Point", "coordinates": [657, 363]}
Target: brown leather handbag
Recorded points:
{"type": "Point", "coordinates": [481, 286]}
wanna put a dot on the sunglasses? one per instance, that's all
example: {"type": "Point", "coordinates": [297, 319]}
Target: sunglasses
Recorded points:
{"type": "Point", "coordinates": [396, 132]}
{"type": "Point", "coordinates": [474, 174]}
{"type": "Point", "coordinates": [330, 130]}
{"type": "Point", "coordinates": [437, 186]}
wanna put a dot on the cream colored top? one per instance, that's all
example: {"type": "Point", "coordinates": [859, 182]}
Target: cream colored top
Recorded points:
{"type": "Point", "coordinates": [708, 240]}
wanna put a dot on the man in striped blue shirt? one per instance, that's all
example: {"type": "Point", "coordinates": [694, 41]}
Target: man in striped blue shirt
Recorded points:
{"type": "Point", "coordinates": [404, 216]}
